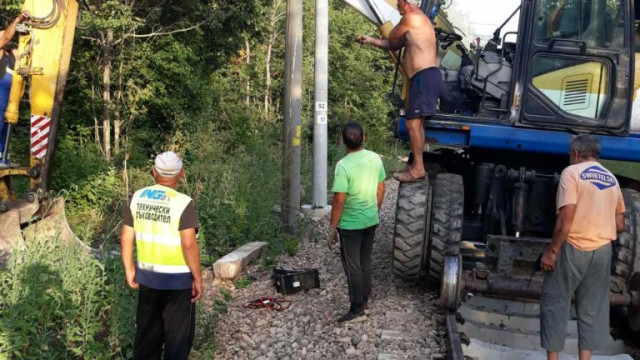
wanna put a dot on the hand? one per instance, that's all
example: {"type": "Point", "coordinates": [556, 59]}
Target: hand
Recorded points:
{"type": "Point", "coordinates": [364, 39]}
{"type": "Point", "coordinates": [196, 290]}
{"type": "Point", "coordinates": [131, 280]}
{"type": "Point", "coordinates": [23, 16]}
{"type": "Point", "coordinates": [333, 237]}
{"type": "Point", "coordinates": [548, 261]}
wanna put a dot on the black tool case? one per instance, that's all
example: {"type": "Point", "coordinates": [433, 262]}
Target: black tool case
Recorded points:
{"type": "Point", "coordinates": [288, 280]}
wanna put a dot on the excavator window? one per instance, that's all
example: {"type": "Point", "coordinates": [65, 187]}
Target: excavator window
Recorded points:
{"type": "Point", "coordinates": [596, 23]}
{"type": "Point", "coordinates": [569, 68]}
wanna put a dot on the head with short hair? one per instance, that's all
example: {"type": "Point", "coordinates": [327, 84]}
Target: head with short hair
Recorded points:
{"type": "Point", "coordinates": [584, 147]}
{"type": "Point", "coordinates": [353, 135]}
{"type": "Point", "coordinates": [403, 4]}
{"type": "Point", "coordinates": [168, 169]}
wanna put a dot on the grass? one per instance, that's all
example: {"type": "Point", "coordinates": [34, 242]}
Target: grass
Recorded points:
{"type": "Point", "coordinates": [623, 168]}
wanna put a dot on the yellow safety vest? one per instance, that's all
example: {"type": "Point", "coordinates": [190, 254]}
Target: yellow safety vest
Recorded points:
{"type": "Point", "coordinates": [156, 214]}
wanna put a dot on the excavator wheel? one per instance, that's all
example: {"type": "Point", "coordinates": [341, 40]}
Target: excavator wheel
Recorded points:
{"type": "Point", "coordinates": [625, 264]}
{"type": "Point", "coordinates": [446, 222]}
{"type": "Point", "coordinates": [409, 239]}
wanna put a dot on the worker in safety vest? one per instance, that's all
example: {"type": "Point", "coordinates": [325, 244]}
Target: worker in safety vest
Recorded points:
{"type": "Point", "coordinates": [7, 65]}
{"type": "Point", "coordinates": [164, 224]}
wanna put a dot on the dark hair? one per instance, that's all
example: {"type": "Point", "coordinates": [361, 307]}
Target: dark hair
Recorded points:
{"type": "Point", "coordinates": [352, 135]}
{"type": "Point", "coordinates": [587, 146]}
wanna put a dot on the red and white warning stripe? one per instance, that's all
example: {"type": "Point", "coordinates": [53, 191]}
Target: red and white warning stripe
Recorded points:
{"type": "Point", "coordinates": [39, 135]}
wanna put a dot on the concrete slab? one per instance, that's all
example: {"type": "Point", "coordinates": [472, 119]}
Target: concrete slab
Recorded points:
{"type": "Point", "coordinates": [513, 322]}
{"type": "Point", "coordinates": [314, 212]}
{"type": "Point", "coordinates": [395, 335]}
{"type": "Point", "coordinates": [485, 351]}
{"type": "Point", "coordinates": [231, 265]}
{"type": "Point", "coordinates": [515, 325]}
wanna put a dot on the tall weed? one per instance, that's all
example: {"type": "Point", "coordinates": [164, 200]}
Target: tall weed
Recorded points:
{"type": "Point", "coordinates": [60, 302]}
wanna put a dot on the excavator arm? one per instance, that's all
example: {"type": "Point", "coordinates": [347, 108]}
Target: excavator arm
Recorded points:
{"type": "Point", "coordinates": [42, 64]}
{"type": "Point", "coordinates": [44, 53]}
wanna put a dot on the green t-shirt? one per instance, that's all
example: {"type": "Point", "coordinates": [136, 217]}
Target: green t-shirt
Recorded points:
{"type": "Point", "coordinates": [358, 175]}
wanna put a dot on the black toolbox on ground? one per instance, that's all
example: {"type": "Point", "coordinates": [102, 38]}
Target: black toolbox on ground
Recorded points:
{"type": "Point", "coordinates": [288, 280]}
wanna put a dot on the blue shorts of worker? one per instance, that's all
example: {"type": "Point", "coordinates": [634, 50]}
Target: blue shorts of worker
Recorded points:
{"type": "Point", "coordinates": [7, 64]}
{"type": "Point", "coordinates": [585, 274]}
{"type": "Point", "coordinates": [424, 92]}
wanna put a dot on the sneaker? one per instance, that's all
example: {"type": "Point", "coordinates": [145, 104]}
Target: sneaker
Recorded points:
{"type": "Point", "coordinates": [352, 318]}
{"type": "Point", "coordinates": [366, 308]}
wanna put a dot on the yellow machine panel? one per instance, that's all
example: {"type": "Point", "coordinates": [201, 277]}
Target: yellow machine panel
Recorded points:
{"type": "Point", "coordinates": [579, 90]}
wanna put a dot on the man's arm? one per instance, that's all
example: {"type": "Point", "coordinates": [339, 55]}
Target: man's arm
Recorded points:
{"type": "Point", "coordinates": [620, 210]}
{"type": "Point", "coordinates": [126, 245]}
{"type": "Point", "coordinates": [11, 29]}
{"type": "Point", "coordinates": [336, 213]}
{"type": "Point", "coordinates": [380, 195]}
{"type": "Point", "coordinates": [563, 225]}
{"type": "Point", "coordinates": [336, 208]}
{"type": "Point", "coordinates": [191, 254]}
{"type": "Point", "coordinates": [397, 37]}
{"type": "Point", "coordinates": [620, 222]}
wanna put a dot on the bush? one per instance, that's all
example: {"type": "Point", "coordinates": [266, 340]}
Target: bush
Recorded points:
{"type": "Point", "coordinates": [94, 206]}
{"type": "Point", "coordinates": [62, 303]}
{"type": "Point", "coordinates": [235, 190]}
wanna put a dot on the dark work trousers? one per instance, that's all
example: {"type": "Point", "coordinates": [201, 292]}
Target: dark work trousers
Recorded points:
{"type": "Point", "coordinates": [164, 317]}
{"type": "Point", "coordinates": [355, 251]}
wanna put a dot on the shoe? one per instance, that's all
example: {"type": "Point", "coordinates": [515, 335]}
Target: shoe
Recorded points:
{"type": "Point", "coordinates": [407, 177]}
{"type": "Point", "coordinates": [366, 309]}
{"type": "Point", "coordinates": [352, 318]}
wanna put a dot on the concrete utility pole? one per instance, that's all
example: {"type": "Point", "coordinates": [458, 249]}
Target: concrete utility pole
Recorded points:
{"type": "Point", "coordinates": [292, 116]}
{"type": "Point", "coordinates": [321, 90]}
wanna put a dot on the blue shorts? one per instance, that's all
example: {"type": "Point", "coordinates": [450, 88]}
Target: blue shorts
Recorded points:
{"type": "Point", "coordinates": [424, 92]}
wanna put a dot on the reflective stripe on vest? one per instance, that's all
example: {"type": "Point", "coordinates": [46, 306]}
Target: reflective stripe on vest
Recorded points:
{"type": "Point", "coordinates": [156, 214]}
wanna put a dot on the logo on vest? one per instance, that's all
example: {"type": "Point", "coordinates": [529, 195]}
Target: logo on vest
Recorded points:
{"type": "Point", "coordinates": [598, 177]}
{"type": "Point", "coordinates": [160, 195]}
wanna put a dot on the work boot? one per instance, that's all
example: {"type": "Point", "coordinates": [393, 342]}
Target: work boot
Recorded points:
{"type": "Point", "coordinates": [353, 317]}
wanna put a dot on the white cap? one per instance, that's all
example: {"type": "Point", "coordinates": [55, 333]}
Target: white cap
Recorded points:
{"type": "Point", "coordinates": [168, 164]}
{"type": "Point", "coordinates": [414, 2]}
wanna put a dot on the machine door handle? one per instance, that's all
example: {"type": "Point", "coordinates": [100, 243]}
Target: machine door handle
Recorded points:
{"type": "Point", "coordinates": [581, 43]}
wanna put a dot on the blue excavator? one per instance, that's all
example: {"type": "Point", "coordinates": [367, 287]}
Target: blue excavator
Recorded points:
{"type": "Point", "coordinates": [521, 77]}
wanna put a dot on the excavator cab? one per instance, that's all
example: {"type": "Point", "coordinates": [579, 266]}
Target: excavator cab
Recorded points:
{"type": "Point", "coordinates": [42, 64]}
{"type": "Point", "coordinates": [542, 64]}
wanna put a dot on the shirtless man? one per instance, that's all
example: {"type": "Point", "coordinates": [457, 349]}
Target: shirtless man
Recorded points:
{"type": "Point", "coordinates": [416, 34]}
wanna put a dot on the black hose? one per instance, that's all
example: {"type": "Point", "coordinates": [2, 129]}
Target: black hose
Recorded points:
{"type": "Point", "coordinates": [395, 75]}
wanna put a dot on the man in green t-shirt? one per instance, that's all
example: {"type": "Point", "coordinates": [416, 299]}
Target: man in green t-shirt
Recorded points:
{"type": "Point", "coordinates": [358, 190]}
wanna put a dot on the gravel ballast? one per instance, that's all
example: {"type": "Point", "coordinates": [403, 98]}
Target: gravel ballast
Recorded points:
{"type": "Point", "coordinates": [405, 323]}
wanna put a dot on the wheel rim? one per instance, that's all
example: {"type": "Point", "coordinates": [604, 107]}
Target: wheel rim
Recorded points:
{"type": "Point", "coordinates": [451, 287]}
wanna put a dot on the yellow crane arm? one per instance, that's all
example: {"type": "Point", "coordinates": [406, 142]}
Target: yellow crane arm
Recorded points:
{"type": "Point", "coordinates": [44, 52]}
